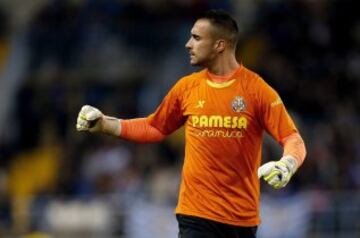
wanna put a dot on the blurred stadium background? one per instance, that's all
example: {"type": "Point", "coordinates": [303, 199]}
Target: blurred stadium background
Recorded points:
{"type": "Point", "coordinates": [122, 56]}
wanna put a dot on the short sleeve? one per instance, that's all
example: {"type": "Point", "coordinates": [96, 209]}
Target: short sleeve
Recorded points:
{"type": "Point", "coordinates": [168, 116]}
{"type": "Point", "coordinates": [273, 114]}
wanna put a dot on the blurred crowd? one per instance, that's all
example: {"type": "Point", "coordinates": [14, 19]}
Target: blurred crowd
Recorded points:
{"type": "Point", "coordinates": [122, 56]}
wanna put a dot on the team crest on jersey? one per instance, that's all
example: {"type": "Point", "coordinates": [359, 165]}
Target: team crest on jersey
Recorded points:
{"type": "Point", "coordinates": [238, 104]}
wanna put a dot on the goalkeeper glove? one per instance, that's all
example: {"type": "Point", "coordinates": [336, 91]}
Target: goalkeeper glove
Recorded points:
{"type": "Point", "coordinates": [93, 120]}
{"type": "Point", "coordinates": [278, 173]}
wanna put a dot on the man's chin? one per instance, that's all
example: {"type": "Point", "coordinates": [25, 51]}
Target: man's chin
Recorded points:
{"type": "Point", "coordinates": [194, 63]}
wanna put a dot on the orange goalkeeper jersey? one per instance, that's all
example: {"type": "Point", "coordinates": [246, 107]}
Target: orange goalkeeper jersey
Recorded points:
{"type": "Point", "coordinates": [224, 125]}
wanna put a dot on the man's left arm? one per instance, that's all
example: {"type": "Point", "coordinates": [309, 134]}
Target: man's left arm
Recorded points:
{"type": "Point", "coordinates": [279, 124]}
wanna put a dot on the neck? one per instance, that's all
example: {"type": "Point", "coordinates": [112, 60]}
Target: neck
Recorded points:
{"type": "Point", "coordinates": [223, 65]}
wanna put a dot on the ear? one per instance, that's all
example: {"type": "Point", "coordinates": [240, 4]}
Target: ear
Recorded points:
{"type": "Point", "coordinates": [220, 45]}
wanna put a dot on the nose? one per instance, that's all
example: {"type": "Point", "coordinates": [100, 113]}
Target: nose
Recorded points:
{"type": "Point", "coordinates": [188, 44]}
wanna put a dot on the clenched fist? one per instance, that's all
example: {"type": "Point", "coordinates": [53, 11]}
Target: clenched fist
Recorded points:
{"type": "Point", "coordinates": [92, 119]}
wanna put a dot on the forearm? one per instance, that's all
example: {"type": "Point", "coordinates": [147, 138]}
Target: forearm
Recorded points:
{"type": "Point", "coordinates": [294, 146]}
{"type": "Point", "coordinates": [139, 130]}
{"type": "Point", "coordinates": [93, 120]}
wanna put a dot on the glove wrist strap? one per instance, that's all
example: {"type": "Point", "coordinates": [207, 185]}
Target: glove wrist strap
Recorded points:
{"type": "Point", "coordinates": [111, 126]}
{"type": "Point", "coordinates": [290, 162]}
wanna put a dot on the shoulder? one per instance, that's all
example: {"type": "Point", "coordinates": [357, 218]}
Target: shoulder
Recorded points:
{"type": "Point", "coordinates": [252, 81]}
{"type": "Point", "coordinates": [257, 88]}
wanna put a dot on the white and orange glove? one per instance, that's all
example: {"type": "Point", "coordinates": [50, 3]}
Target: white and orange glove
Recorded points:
{"type": "Point", "coordinates": [278, 173]}
{"type": "Point", "coordinates": [93, 120]}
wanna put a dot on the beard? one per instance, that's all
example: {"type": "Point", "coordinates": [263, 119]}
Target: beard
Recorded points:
{"type": "Point", "coordinates": [200, 62]}
{"type": "Point", "coordinates": [204, 60]}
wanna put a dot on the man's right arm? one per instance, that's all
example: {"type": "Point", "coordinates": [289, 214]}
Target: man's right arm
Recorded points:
{"type": "Point", "coordinates": [138, 130]}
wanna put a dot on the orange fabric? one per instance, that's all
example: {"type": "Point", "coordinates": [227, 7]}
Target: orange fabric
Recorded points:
{"type": "Point", "coordinates": [224, 128]}
{"type": "Point", "coordinates": [294, 145]}
{"type": "Point", "coordinates": [220, 79]}
{"type": "Point", "coordinates": [140, 130]}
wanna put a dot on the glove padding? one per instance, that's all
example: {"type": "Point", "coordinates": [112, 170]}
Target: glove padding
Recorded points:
{"type": "Point", "coordinates": [89, 119]}
{"type": "Point", "coordinates": [278, 173]}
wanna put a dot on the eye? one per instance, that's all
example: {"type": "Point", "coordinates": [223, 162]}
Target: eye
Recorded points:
{"type": "Point", "coordinates": [196, 37]}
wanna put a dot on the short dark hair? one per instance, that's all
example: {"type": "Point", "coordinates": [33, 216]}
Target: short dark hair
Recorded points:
{"type": "Point", "coordinates": [223, 22]}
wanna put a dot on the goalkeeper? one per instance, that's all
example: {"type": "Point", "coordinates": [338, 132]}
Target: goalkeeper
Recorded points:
{"type": "Point", "coordinates": [225, 109]}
